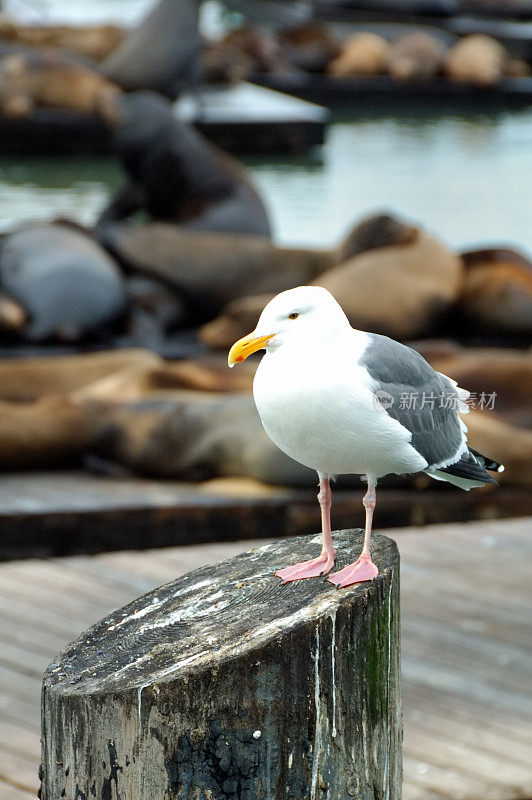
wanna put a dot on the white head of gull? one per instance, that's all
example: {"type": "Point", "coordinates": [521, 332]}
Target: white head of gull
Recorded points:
{"type": "Point", "coordinates": [343, 401]}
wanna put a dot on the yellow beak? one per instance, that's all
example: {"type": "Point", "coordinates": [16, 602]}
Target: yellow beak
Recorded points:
{"type": "Point", "coordinates": [246, 346]}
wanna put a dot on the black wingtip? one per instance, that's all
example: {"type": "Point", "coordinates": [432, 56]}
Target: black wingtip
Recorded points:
{"type": "Point", "coordinates": [487, 463]}
{"type": "Point", "coordinates": [473, 466]}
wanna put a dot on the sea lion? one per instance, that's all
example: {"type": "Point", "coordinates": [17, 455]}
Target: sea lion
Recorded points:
{"type": "Point", "coordinates": [209, 269]}
{"type": "Point", "coordinates": [92, 41]}
{"type": "Point", "coordinates": [154, 310]}
{"type": "Point", "coordinates": [497, 377]}
{"type": "Point", "coordinates": [309, 47]}
{"type": "Point", "coordinates": [375, 234]}
{"type": "Point", "coordinates": [65, 282]}
{"type": "Point", "coordinates": [53, 431]}
{"type": "Point", "coordinates": [51, 79]}
{"type": "Point", "coordinates": [178, 176]}
{"type": "Point", "coordinates": [236, 317]}
{"type": "Point", "coordinates": [416, 56]}
{"type": "Point", "coordinates": [402, 290]}
{"type": "Point", "coordinates": [193, 436]}
{"type": "Point", "coordinates": [477, 59]}
{"type": "Point", "coordinates": [240, 53]}
{"type": "Point", "coordinates": [161, 53]}
{"type": "Point", "coordinates": [361, 54]}
{"type": "Point", "coordinates": [137, 381]}
{"type": "Point", "coordinates": [497, 293]}
{"type": "Point", "coordinates": [26, 379]}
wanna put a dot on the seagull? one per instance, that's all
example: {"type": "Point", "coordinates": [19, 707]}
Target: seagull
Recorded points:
{"type": "Point", "coordinates": [343, 401]}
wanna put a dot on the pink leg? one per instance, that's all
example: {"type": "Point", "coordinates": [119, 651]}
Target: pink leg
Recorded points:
{"type": "Point", "coordinates": [325, 561]}
{"type": "Point", "coordinates": [363, 569]}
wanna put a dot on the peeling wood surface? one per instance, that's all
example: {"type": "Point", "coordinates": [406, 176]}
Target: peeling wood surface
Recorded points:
{"type": "Point", "coordinates": [223, 684]}
{"type": "Point", "coordinates": [467, 650]}
{"type": "Point", "coordinates": [46, 514]}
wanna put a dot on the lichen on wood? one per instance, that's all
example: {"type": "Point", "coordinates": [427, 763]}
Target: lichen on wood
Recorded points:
{"type": "Point", "coordinates": [224, 685]}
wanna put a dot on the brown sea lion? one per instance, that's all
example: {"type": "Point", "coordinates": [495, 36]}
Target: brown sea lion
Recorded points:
{"type": "Point", "coordinates": [496, 376]}
{"type": "Point", "coordinates": [142, 380]}
{"type": "Point", "coordinates": [477, 59]}
{"type": "Point", "coordinates": [497, 291]}
{"type": "Point", "coordinates": [361, 54]}
{"type": "Point", "coordinates": [65, 282]}
{"type": "Point", "coordinates": [53, 431]}
{"type": "Point", "coordinates": [51, 79]}
{"type": "Point", "coordinates": [401, 290]}
{"type": "Point", "coordinates": [416, 56]}
{"type": "Point", "coordinates": [511, 444]}
{"type": "Point", "coordinates": [176, 175]}
{"type": "Point", "coordinates": [235, 319]}
{"type": "Point", "coordinates": [27, 379]}
{"type": "Point", "coordinates": [92, 41]}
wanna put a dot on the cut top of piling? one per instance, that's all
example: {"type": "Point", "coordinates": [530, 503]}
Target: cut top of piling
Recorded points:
{"type": "Point", "coordinates": [211, 615]}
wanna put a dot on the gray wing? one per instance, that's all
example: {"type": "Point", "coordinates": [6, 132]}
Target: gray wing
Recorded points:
{"type": "Point", "coordinates": [421, 399]}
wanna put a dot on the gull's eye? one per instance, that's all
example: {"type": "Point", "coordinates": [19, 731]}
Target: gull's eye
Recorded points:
{"type": "Point", "coordinates": [293, 315]}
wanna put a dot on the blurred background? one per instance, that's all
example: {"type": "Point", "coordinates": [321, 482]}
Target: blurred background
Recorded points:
{"type": "Point", "coordinates": [165, 169]}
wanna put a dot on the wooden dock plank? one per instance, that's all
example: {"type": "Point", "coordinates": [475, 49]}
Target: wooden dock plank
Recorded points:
{"type": "Point", "coordinates": [10, 792]}
{"type": "Point", "coordinates": [46, 514]}
{"type": "Point", "coordinates": [467, 650]}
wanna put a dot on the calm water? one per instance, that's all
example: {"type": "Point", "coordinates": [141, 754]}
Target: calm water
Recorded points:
{"type": "Point", "coordinates": [466, 178]}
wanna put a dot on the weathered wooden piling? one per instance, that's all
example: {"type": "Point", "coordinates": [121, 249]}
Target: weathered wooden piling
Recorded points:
{"type": "Point", "coordinates": [224, 685]}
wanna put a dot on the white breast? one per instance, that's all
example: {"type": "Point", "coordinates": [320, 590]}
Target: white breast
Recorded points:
{"type": "Point", "coordinates": [318, 407]}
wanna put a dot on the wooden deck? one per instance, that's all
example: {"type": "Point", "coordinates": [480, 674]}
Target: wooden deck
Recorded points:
{"type": "Point", "coordinates": [467, 650]}
{"type": "Point", "coordinates": [45, 514]}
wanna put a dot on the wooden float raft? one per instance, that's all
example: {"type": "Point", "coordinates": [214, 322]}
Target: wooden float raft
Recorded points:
{"type": "Point", "coordinates": [357, 95]}
{"type": "Point", "coordinates": [466, 650]}
{"type": "Point", "coordinates": [240, 119]}
{"type": "Point", "coordinates": [46, 514]}
{"type": "Point", "coordinates": [420, 11]}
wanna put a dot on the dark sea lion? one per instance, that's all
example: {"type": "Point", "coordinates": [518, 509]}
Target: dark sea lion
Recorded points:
{"type": "Point", "coordinates": [240, 53]}
{"type": "Point", "coordinates": [381, 229]}
{"type": "Point", "coordinates": [309, 46]}
{"type": "Point", "coordinates": [153, 311]}
{"type": "Point", "coordinates": [193, 436]}
{"type": "Point", "coordinates": [209, 269]}
{"type": "Point", "coordinates": [161, 52]}
{"type": "Point", "coordinates": [65, 282]}
{"type": "Point", "coordinates": [51, 79]}
{"type": "Point", "coordinates": [177, 176]}
{"type": "Point", "coordinates": [92, 41]}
